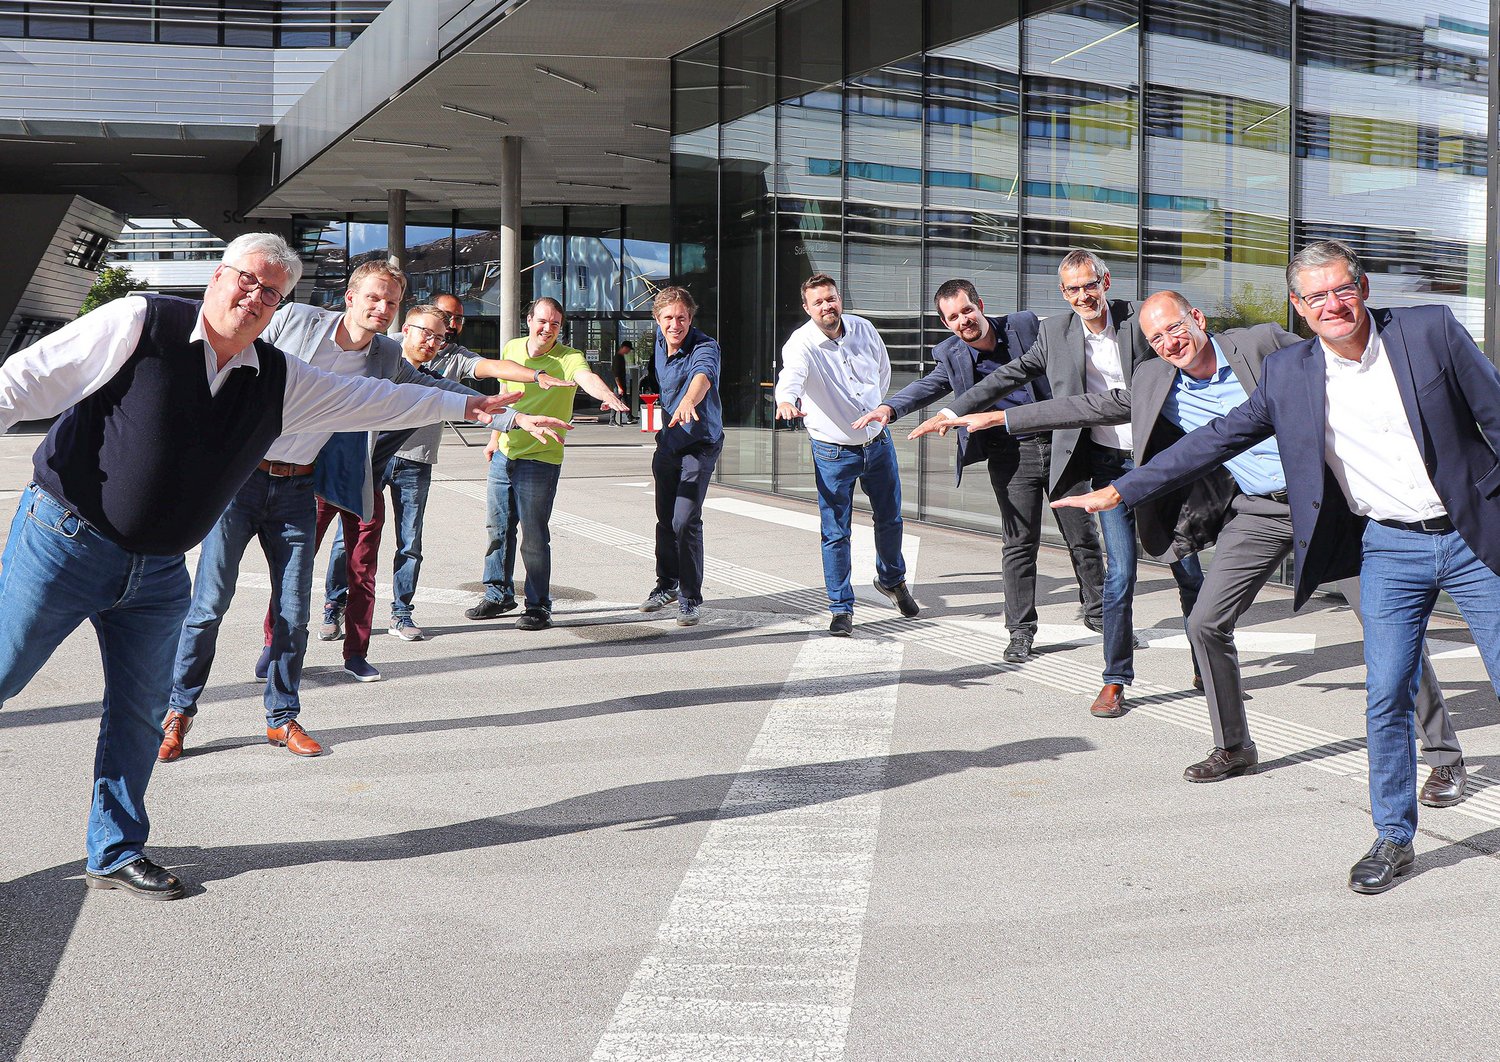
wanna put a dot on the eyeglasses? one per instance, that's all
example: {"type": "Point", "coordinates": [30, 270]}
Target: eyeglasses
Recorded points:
{"type": "Point", "coordinates": [1316, 299]}
{"type": "Point", "coordinates": [1180, 330]}
{"type": "Point", "coordinates": [249, 282]}
{"type": "Point", "coordinates": [454, 318]}
{"type": "Point", "coordinates": [1072, 291]}
{"type": "Point", "coordinates": [428, 335]}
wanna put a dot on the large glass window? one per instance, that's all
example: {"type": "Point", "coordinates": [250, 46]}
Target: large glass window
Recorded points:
{"type": "Point", "coordinates": [1079, 167]}
{"type": "Point", "coordinates": [895, 144]}
{"type": "Point", "coordinates": [1391, 138]}
{"type": "Point", "coordinates": [592, 278]}
{"type": "Point", "coordinates": [1217, 122]}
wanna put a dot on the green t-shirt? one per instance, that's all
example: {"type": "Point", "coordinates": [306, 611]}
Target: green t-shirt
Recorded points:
{"type": "Point", "coordinates": [563, 362]}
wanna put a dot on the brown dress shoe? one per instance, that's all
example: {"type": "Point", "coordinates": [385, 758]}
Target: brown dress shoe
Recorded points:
{"type": "Point", "coordinates": [1110, 704]}
{"type": "Point", "coordinates": [1444, 786]}
{"type": "Point", "coordinates": [294, 738]}
{"type": "Point", "coordinates": [1223, 763]}
{"type": "Point", "coordinates": [172, 733]}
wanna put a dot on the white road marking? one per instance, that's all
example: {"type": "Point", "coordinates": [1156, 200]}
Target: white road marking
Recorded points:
{"type": "Point", "coordinates": [862, 542]}
{"type": "Point", "coordinates": [757, 954]}
{"type": "Point", "coordinates": [983, 642]}
{"type": "Point", "coordinates": [1455, 650]}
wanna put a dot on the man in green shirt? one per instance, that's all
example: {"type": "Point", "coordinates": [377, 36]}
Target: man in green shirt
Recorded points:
{"type": "Point", "coordinates": [523, 473]}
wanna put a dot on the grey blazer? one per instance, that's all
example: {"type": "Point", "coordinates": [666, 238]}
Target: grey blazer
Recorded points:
{"type": "Point", "coordinates": [1188, 519]}
{"type": "Point", "coordinates": [298, 330]}
{"type": "Point", "coordinates": [1058, 354]}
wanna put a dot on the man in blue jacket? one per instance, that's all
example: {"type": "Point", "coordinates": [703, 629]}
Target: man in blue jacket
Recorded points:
{"type": "Point", "coordinates": [687, 367]}
{"type": "Point", "coordinates": [1388, 422]}
{"type": "Point", "coordinates": [1018, 465]}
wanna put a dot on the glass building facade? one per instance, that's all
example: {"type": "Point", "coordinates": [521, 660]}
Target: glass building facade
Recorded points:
{"type": "Point", "coordinates": [895, 144]}
{"type": "Point", "coordinates": [603, 263]}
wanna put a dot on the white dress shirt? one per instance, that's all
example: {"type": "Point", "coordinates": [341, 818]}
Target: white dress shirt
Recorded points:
{"type": "Point", "coordinates": [1102, 372]}
{"type": "Point", "coordinates": [1368, 441]}
{"type": "Point", "coordinates": [63, 368]}
{"type": "Point", "coordinates": [837, 380]}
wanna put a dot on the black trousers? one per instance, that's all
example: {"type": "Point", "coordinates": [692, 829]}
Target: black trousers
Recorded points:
{"type": "Point", "coordinates": [1018, 473]}
{"type": "Point", "coordinates": [682, 480]}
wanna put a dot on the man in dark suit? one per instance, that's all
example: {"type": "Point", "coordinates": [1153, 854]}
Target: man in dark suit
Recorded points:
{"type": "Point", "coordinates": [1391, 418]}
{"type": "Point", "coordinates": [1017, 465]}
{"type": "Point", "coordinates": [1242, 507]}
{"type": "Point", "coordinates": [1090, 351]}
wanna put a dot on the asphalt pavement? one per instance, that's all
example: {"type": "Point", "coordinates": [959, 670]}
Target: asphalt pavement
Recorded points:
{"type": "Point", "coordinates": [625, 839]}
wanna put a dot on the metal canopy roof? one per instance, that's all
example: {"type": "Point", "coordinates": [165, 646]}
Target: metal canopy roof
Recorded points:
{"type": "Point", "coordinates": [620, 51]}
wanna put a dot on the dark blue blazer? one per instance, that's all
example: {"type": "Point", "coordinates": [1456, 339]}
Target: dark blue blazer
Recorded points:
{"type": "Point", "coordinates": [1451, 393]}
{"type": "Point", "coordinates": [954, 374]}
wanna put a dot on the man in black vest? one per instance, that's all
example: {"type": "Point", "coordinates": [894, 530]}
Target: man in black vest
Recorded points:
{"type": "Point", "coordinates": [166, 408]}
{"type": "Point", "coordinates": [1018, 466]}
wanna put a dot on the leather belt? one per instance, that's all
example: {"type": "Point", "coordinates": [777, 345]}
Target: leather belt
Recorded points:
{"type": "Point", "coordinates": [1434, 525]}
{"type": "Point", "coordinates": [285, 469]}
{"type": "Point", "coordinates": [1279, 496]}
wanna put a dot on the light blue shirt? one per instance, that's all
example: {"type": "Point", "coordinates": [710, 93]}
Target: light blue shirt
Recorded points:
{"type": "Point", "coordinates": [1193, 403]}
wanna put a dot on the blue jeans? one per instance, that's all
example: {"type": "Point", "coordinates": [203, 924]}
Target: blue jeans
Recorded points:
{"type": "Point", "coordinates": [874, 467]}
{"type": "Point", "coordinates": [409, 482]}
{"type": "Point", "coordinates": [1400, 576]}
{"type": "Point", "coordinates": [283, 513]}
{"type": "Point", "coordinates": [1121, 552]}
{"type": "Point", "coordinates": [520, 495]}
{"type": "Point", "coordinates": [57, 571]}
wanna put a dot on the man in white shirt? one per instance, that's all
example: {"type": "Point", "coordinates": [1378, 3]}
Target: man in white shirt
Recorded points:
{"type": "Point", "coordinates": [1388, 423]}
{"type": "Point", "coordinates": [166, 406]}
{"type": "Point", "coordinates": [835, 370]}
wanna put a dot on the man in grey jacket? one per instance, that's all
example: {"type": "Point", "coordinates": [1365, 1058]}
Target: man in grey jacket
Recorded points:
{"type": "Point", "coordinates": [282, 513]}
{"type": "Point", "coordinates": [1240, 508]}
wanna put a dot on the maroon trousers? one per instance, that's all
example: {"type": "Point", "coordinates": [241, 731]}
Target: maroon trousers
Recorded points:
{"type": "Point", "coordinates": [362, 548]}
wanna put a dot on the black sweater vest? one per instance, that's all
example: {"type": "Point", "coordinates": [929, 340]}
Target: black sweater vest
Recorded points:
{"type": "Point", "coordinates": [152, 459]}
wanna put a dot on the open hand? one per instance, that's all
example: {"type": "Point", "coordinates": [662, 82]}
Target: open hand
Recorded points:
{"type": "Point", "coordinates": [1095, 501]}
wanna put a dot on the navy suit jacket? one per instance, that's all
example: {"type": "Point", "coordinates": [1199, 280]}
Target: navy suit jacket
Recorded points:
{"type": "Point", "coordinates": [954, 374]}
{"type": "Point", "coordinates": [1451, 394]}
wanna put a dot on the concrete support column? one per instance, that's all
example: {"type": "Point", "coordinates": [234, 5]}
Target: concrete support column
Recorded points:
{"type": "Point", "coordinates": [510, 239]}
{"type": "Point", "coordinates": [395, 211]}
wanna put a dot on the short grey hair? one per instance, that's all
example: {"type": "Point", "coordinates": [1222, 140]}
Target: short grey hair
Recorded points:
{"type": "Point", "coordinates": [1078, 257]}
{"type": "Point", "coordinates": [1317, 255]}
{"type": "Point", "coordinates": [273, 248]}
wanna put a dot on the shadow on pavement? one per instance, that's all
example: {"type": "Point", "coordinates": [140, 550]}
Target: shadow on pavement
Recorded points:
{"type": "Point", "coordinates": [40, 909]}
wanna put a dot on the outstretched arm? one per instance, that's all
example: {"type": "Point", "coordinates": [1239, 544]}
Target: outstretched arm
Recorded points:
{"type": "Point", "coordinates": [687, 409]}
{"type": "Point", "coordinates": [595, 386]}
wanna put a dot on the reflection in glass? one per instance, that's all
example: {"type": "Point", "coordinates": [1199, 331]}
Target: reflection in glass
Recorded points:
{"type": "Point", "coordinates": [1079, 171]}
{"type": "Point", "coordinates": [1217, 205]}
{"type": "Point", "coordinates": [1394, 117]}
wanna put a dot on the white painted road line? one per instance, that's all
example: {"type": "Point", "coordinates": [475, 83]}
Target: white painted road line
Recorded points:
{"type": "Point", "coordinates": [983, 642]}
{"type": "Point", "coordinates": [757, 954]}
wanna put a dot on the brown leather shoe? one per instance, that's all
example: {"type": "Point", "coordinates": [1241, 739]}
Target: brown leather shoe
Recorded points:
{"type": "Point", "coordinates": [1223, 763]}
{"type": "Point", "coordinates": [1110, 704]}
{"type": "Point", "coordinates": [172, 732]}
{"type": "Point", "coordinates": [294, 738]}
{"type": "Point", "coordinates": [1445, 786]}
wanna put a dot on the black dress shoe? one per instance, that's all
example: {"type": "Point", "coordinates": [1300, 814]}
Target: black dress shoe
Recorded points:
{"type": "Point", "coordinates": [1444, 786]}
{"type": "Point", "coordinates": [1019, 649]}
{"type": "Point", "coordinates": [488, 609]}
{"type": "Point", "coordinates": [1197, 681]}
{"type": "Point", "coordinates": [842, 625]}
{"type": "Point", "coordinates": [1381, 866]}
{"type": "Point", "coordinates": [1223, 763]}
{"type": "Point", "coordinates": [142, 877]}
{"type": "Point", "coordinates": [900, 597]}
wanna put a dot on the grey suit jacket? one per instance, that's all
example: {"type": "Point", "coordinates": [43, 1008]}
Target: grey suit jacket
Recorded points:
{"type": "Point", "coordinates": [1188, 519]}
{"type": "Point", "coordinates": [298, 330]}
{"type": "Point", "coordinates": [1058, 354]}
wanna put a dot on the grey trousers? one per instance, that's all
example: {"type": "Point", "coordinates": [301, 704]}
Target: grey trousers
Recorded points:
{"type": "Point", "coordinates": [1255, 539]}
